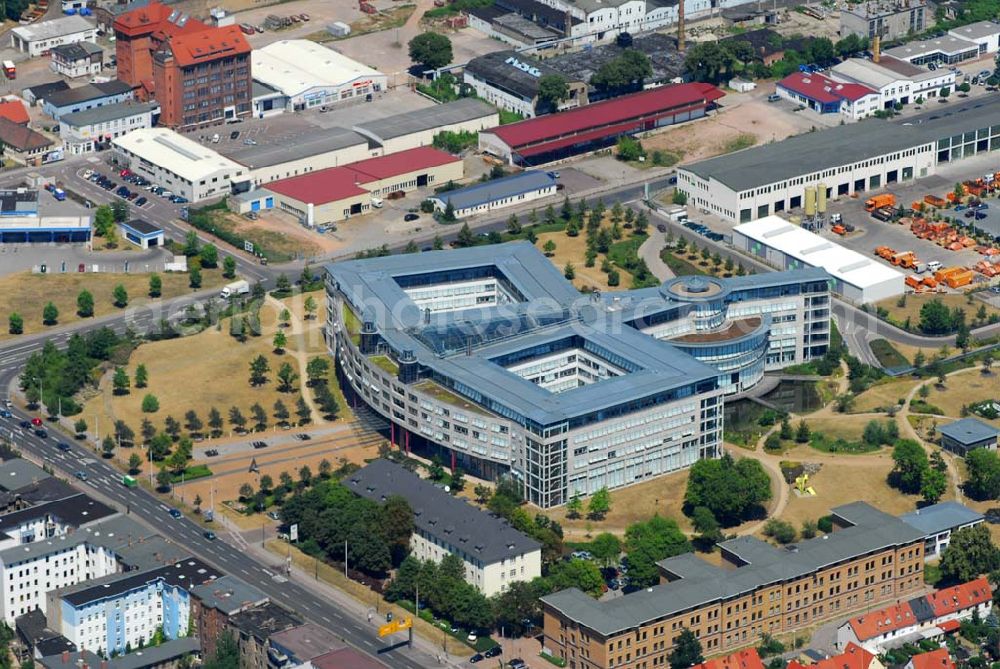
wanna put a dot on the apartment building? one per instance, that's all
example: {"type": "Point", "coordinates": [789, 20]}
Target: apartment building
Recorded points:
{"type": "Point", "coordinates": [871, 557]}
{"type": "Point", "coordinates": [494, 553]}
{"type": "Point", "coordinates": [87, 131]}
{"type": "Point", "coordinates": [490, 357]}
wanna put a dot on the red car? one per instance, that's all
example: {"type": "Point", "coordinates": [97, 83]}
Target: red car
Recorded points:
{"type": "Point", "coordinates": [125, 173]}
{"type": "Point", "coordinates": [36, 421]}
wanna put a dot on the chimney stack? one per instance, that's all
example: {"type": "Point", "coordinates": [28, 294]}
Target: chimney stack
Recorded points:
{"type": "Point", "coordinates": [680, 26]}
{"type": "Point", "coordinates": [876, 48]}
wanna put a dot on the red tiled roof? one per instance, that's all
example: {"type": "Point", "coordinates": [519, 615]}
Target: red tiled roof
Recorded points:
{"type": "Point", "coordinates": [853, 657]}
{"type": "Point", "coordinates": [208, 44]}
{"type": "Point", "coordinates": [14, 110]}
{"type": "Point", "coordinates": [876, 623]}
{"type": "Point", "coordinates": [936, 659]}
{"type": "Point", "coordinates": [960, 597]}
{"type": "Point", "coordinates": [338, 183]}
{"type": "Point", "coordinates": [823, 89]}
{"type": "Point", "coordinates": [154, 17]}
{"type": "Point", "coordinates": [21, 137]}
{"type": "Point", "coordinates": [608, 112]}
{"type": "Point", "coordinates": [743, 659]}
{"type": "Point", "coordinates": [423, 157]}
{"type": "Point", "coordinates": [949, 626]}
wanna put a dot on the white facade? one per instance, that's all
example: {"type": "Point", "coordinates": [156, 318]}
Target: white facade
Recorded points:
{"type": "Point", "coordinates": [856, 109]}
{"type": "Point", "coordinates": [499, 97]}
{"type": "Point", "coordinates": [177, 163]}
{"type": "Point", "coordinates": [892, 87]}
{"type": "Point", "coordinates": [441, 201]}
{"type": "Point", "coordinates": [984, 33]}
{"type": "Point", "coordinates": [81, 132]}
{"type": "Point", "coordinates": [785, 246]}
{"type": "Point", "coordinates": [36, 40]}
{"type": "Point", "coordinates": [492, 577]}
{"type": "Point", "coordinates": [310, 75]}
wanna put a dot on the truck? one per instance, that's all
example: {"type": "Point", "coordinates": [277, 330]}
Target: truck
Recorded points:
{"type": "Point", "coordinates": [9, 69]}
{"type": "Point", "coordinates": [879, 201]}
{"type": "Point", "coordinates": [935, 201]}
{"type": "Point", "coordinates": [235, 289]}
{"type": "Point", "coordinates": [129, 481]}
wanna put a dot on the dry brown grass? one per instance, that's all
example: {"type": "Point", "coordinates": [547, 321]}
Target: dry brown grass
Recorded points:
{"type": "Point", "coordinates": [882, 394]}
{"type": "Point", "coordinates": [840, 426]}
{"type": "Point", "coordinates": [914, 303]}
{"type": "Point", "coordinates": [966, 388]}
{"type": "Point", "coordinates": [27, 294]}
{"type": "Point", "coordinates": [574, 250]}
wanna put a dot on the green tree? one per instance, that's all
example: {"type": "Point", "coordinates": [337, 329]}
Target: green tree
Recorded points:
{"type": "Point", "coordinates": [606, 548]}
{"type": "Point", "coordinates": [85, 304]}
{"type": "Point", "coordinates": [317, 370]}
{"type": "Point", "coordinates": [552, 89]}
{"type": "Point", "coordinates": [687, 650]}
{"type": "Point", "coordinates": [134, 463]}
{"type": "Point", "coordinates": [910, 465]}
{"type": "Point", "coordinates": [237, 419]}
{"type": "Point", "coordinates": [648, 542]}
{"type": "Point", "coordinates": [163, 479]}
{"type": "Point", "coordinates": [310, 307]}
{"type": "Point", "coordinates": [302, 411]}
{"type": "Point", "coordinates": [781, 531]}
{"type": "Point", "coordinates": [194, 277]}
{"type": "Point", "coordinates": [214, 422]}
{"type": "Point", "coordinates": [983, 482]}
{"type": "Point", "coordinates": [708, 61]}
{"type": "Point", "coordinates": [259, 417]}
{"type": "Point", "coordinates": [141, 376]}
{"type": "Point", "coordinates": [119, 209]}
{"type": "Point", "coordinates": [281, 413]}
{"type": "Point", "coordinates": [229, 267]}
{"type": "Point", "coordinates": [50, 315]}
{"type": "Point", "coordinates": [549, 247]}
{"type": "Point", "coordinates": [465, 237]}
{"type": "Point", "coordinates": [150, 404]}
{"type": "Point", "coordinates": [576, 573]}
{"type": "Point", "coordinates": [802, 433]}
{"type": "Point", "coordinates": [15, 324]}
{"type": "Point", "coordinates": [279, 342]}
{"type": "Point", "coordinates": [431, 50]}
{"type": "Point", "coordinates": [707, 527]}
{"type": "Point", "coordinates": [80, 427]}
{"type": "Point", "coordinates": [120, 296]}
{"type": "Point", "coordinates": [970, 552]}
{"type": "Point", "coordinates": [935, 318]}
{"type": "Point", "coordinates": [286, 378]}
{"type": "Point", "coordinates": [104, 221]}
{"type": "Point", "coordinates": [155, 285]}
{"type": "Point", "coordinates": [259, 368]}
{"type": "Point", "coordinates": [625, 72]}
{"type": "Point", "coordinates": [120, 381]}
{"type": "Point", "coordinates": [730, 489]}
{"type": "Point", "coordinates": [209, 256]}
{"type": "Point", "coordinates": [599, 504]}
{"type": "Point", "coordinates": [574, 508]}
{"type": "Point", "coordinates": [933, 486]}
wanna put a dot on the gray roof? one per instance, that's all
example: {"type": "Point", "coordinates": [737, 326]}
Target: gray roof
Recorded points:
{"type": "Point", "coordinates": [661, 50]}
{"type": "Point", "coordinates": [697, 585]}
{"type": "Point", "coordinates": [810, 152]}
{"type": "Point", "coordinates": [318, 142]}
{"type": "Point", "coordinates": [261, 90]}
{"type": "Point", "coordinates": [87, 93]}
{"type": "Point", "coordinates": [149, 656]}
{"type": "Point", "coordinates": [496, 189]}
{"type": "Point", "coordinates": [968, 431]}
{"type": "Point", "coordinates": [494, 69]}
{"type": "Point", "coordinates": [977, 30]}
{"type": "Point", "coordinates": [551, 313]}
{"type": "Point", "coordinates": [43, 90]}
{"type": "Point", "coordinates": [64, 25]}
{"type": "Point", "coordinates": [76, 51]}
{"type": "Point", "coordinates": [420, 120]}
{"type": "Point", "coordinates": [941, 517]}
{"type": "Point", "coordinates": [264, 620]}
{"type": "Point", "coordinates": [116, 533]}
{"type": "Point", "coordinates": [305, 642]}
{"type": "Point", "coordinates": [18, 473]}
{"type": "Point", "coordinates": [184, 574]}
{"type": "Point", "coordinates": [450, 519]}
{"type": "Point", "coordinates": [948, 44]}
{"type": "Point", "coordinates": [106, 113]}
{"type": "Point", "coordinates": [228, 594]}
{"type": "Point", "coordinates": [76, 511]}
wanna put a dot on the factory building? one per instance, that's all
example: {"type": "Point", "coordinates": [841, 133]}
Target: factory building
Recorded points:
{"type": "Point", "coordinates": [412, 129]}
{"type": "Point", "coordinates": [887, 19]}
{"type": "Point", "coordinates": [744, 186]}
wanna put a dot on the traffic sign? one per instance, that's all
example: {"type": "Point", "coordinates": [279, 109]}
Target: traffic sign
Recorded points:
{"type": "Point", "coordinates": [248, 246]}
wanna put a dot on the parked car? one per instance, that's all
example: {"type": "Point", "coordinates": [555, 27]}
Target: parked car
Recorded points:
{"type": "Point", "coordinates": [174, 513]}
{"type": "Point", "coordinates": [661, 227]}
{"type": "Point", "coordinates": [478, 657]}
{"type": "Point", "coordinates": [773, 97]}
{"type": "Point", "coordinates": [234, 134]}
{"type": "Point", "coordinates": [273, 515]}
{"type": "Point", "coordinates": [411, 217]}
{"type": "Point", "coordinates": [302, 436]}
{"type": "Point", "coordinates": [141, 201]}
{"type": "Point", "coordinates": [493, 651]}
{"type": "Point", "coordinates": [212, 452]}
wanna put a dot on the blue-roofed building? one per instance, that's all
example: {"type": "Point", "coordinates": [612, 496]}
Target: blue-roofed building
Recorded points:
{"type": "Point", "coordinates": [489, 358]}
{"type": "Point", "coordinates": [938, 522]}
{"type": "Point", "coordinates": [963, 435]}
{"type": "Point", "coordinates": [497, 193]}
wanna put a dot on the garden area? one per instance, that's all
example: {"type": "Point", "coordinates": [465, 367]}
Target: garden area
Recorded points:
{"type": "Point", "coordinates": [685, 258]}
{"type": "Point", "coordinates": [271, 242]}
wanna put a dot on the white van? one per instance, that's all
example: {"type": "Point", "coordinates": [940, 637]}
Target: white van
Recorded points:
{"type": "Point", "coordinates": [377, 202]}
{"type": "Point", "coordinates": [215, 138]}
{"type": "Point", "coordinates": [933, 266]}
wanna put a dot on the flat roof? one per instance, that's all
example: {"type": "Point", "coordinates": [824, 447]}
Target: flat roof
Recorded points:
{"type": "Point", "coordinates": [297, 65]}
{"type": "Point", "coordinates": [420, 120]}
{"type": "Point", "coordinates": [810, 152]}
{"type": "Point", "coordinates": [948, 44]}
{"type": "Point", "coordinates": [185, 574]}
{"type": "Point", "coordinates": [64, 25]}
{"type": "Point", "coordinates": [451, 520]}
{"type": "Point", "coordinates": [264, 620]}
{"type": "Point", "coordinates": [842, 263]}
{"type": "Point", "coordinates": [267, 154]}
{"type": "Point", "coordinates": [698, 582]}
{"type": "Point", "coordinates": [176, 153]}
{"type": "Point", "coordinates": [142, 227]}
{"type": "Point", "coordinates": [494, 69]}
{"type": "Point", "coordinates": [18, 473]}
{"type": "Point", "coordinates": [496, 189]}
{"type": "Point", "coordinates": [228, 594]}
{"type": "Point", "coordinates": [602, 114]}
{"type": "Point", "coordinates": [977, 30]}
{"type": "Point", "coordinates": [968, 430]}
{"type": "Point", "coordinates": [107, 113]}
{"type": "Point", "coordinates": [941, 517]}
{"type": "Point", "coordinates": [306, 641]}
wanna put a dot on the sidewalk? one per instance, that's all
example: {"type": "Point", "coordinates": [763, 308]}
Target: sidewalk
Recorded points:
{"type": "Point", "coordinates": [650, 252]}
{"type": "Point", "coordinates": [427, 650]}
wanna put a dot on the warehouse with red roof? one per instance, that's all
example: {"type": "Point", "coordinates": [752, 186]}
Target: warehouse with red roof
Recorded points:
{"type": "Point", "coordinates": [553, 137]}
{"type": "Point", "coordinates": [828, 96]}
{"type": "Point", "coordinates": [336, 194]}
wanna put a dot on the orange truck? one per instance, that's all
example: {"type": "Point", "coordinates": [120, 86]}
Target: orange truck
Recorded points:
{"type": "Point", "coordinates": [935, 201]}
{"type": "Point", "coordinates": [905, 259]}
{"type": "Point", "coordinates": [877, 201]}
{"type": "Point", "coordinates": [885, 252]}
{"type": "Point", "coordinates": [838, 230]}
{"type": "Point", "coordinates": [914, 282]}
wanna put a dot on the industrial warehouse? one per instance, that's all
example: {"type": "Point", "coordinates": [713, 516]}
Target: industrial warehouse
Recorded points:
{"type": "Point", "coordinates": [744, 186]}
{"type": "Point", "coordinates": [548, 138]}
{"type": "Point", "coordinates": [623, 387]}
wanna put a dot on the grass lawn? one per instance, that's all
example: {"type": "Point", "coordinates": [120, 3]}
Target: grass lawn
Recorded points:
{"type": "Point", "coordinates": [839, 426]}
{"type": "Point", "coordinates": [911, 309]}
{"type": "Point", "coordinates": [887, 355]}
{"type": "Point", "coordinates": [848, 480]}
{"type": "Point", "coordinates": [574, 250]}
{"type": "Point", "coordinates": [28, 293]}
{"type": "Point", "coordinates": [883, 394]}
{"type": "Point", "coordinates": [965, 388]}
{"type": "Point", "coordinates": [678, 266]}
{"type": "Point", "coordinates": [664, 495]}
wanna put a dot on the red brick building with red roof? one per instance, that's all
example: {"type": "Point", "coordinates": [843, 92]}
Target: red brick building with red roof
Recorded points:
{"type": "Point", "coordinates": [936, 659]}
{"type": "Point", "coordinates": [853, 657]}
{"type": "Point", "coordinates": [958, 601]}
{"type": "Point", "coordinates": [828, 96]}
{"type": "Point", "coordinates": [748, 658]}
{"type": "Point", "coordinates": [199, 74]}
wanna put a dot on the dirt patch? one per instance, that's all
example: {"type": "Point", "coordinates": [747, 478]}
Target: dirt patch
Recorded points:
{"type": "Point", "coordinates": [28, 293]}
{"type": "Point", "coordinates": [369, 23]}
{"type": "Point", "coordinates": [727, 130]}
{"type": "Point", "coordinates": [283, 239]}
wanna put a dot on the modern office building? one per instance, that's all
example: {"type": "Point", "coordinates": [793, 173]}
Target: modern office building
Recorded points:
{"type": "Point", "coordinates": [985, 34]}
{"type": "Point", "coordinates": [858, 278]}
{"type": "Point", "coordinates": [961, 436]}
{"type": "Point", "coordinates": [491, 358]}
{"type": "Point", "coordinates": [895, 81]}
{"type": "Point", "coordinates": [309, 75]}
{"type": "Point", "coordinates": [87, 131]}
{"type": "Point", "coordinates": [887, 19]}
{"type": "Point", "coordinates": [127, 610]}
{"type": "Point", "coordinates": [200, 74]}
{"type": "Point", "coordinates": [938, 522]}
{"type": "Point", "coordinates": [178, 163]}
{"type": "Point", "coordinates": [946, 50]}
{"type": "Point", "coordinates": [494, 553]}
{"type": "Point", "coordinates": [746, 185]}
{"type": "Point", "coordinates": [870, 558]}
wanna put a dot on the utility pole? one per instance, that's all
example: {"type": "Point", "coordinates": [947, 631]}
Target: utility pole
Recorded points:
{"type": "Point", "coordinates": [345, 559]}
